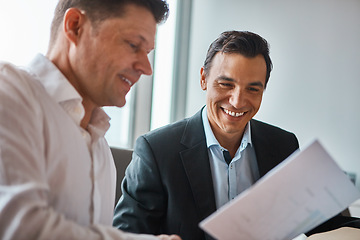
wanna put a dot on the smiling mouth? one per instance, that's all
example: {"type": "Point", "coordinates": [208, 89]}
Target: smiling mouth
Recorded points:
{"type": "Point", "coordinates": [126, 80]}
{"type": "Point", "coordinates": [233, 114]}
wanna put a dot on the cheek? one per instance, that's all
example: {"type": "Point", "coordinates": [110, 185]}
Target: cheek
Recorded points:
{"type": "Point", "coordinates": [256, 102]}
{"type": "Point", "coordinates": [215, 94]}
{"type": "Point", "coordinates": [86, 60]}
{"type": "Point", "coordinates": [212, 100]}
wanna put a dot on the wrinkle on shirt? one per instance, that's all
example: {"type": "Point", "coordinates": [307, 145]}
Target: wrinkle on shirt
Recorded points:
{"type": "Point", "coordinates": [66, 182]}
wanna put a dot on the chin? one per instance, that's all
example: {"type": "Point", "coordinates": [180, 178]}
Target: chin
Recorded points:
{"type": "Point", "coordinates": [121, 104]}
{"type": "Point", "coordinates": [118, 103]}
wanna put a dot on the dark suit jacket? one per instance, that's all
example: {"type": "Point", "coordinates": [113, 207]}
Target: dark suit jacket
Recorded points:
{"type": "Point", "coordinates": [168, 185]}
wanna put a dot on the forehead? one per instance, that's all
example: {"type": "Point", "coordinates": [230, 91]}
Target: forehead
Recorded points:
{"type": "Point", "coordinates": [235, 65]}
{"type": "Point", "coordinates": [136, 22]}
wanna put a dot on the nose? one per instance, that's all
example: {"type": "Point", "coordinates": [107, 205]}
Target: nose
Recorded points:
{"type": "Point", "coordinates": [143, 64]}
{"type": "Point", "coordinates": [237, 99]}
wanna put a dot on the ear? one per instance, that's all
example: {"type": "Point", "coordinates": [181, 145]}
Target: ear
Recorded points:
{"type": "Point", "coordinates": [73, 22]}
{"type": "Point", "coordinates": [203, 79]}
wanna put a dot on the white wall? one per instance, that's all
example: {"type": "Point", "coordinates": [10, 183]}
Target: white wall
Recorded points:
{"type": "Point", "coordinates": [315, 47]}
{"type": "Point", "coordinates": [25, 29]}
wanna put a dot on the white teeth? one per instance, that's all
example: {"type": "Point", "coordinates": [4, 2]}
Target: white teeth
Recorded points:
{"type": "Point", "coordinates": [234, 114]}
{"type": "Point", "coordinates": [127, 81]}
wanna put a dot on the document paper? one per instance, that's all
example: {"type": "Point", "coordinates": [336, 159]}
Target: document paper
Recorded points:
{"type": "Point", "coordinates": [302, 192]}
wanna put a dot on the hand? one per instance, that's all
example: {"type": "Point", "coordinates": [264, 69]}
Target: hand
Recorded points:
{"type": "Point", "coordinates": [169, 237]}
{"type": "Point", "coordinates": [344, 233]}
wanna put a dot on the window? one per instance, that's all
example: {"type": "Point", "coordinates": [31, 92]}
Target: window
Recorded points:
{"type": "Point", "coordinates": [25, 29]}
{"type": "Point", "coordinates": [163, 70]}
{"type": "Point", "coordinates": [171, 65]}
{"type": "Point", "coordinates": [150, 103]}
{"type": "Point", "coordinates": [119, 132]}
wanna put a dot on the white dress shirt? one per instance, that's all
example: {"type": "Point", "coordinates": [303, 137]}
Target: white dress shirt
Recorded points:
{"type": "Point", "coordinates": [230, 180]}
{"type": "Point", "coordinates": [57, 181]}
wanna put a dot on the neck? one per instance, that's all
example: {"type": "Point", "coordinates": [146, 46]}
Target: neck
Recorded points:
{"type": "Point", "coordinates": [89, 109]}
{"type": "Point", "coordinates": [227, 140]}
{"type": "Point", "coordinates": [58, 54]}
{"type": "Point", "coordinates": [231, 144]}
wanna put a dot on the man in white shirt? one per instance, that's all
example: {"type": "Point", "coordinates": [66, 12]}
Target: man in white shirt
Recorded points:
{"type": "Point", "coordinates": [57, 175]}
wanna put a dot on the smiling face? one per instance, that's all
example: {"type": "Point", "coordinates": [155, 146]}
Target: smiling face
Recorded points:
{"type": "Point", "coordinates": [109, 57]}
{"type": "Point", "coordinates": [234, 85]}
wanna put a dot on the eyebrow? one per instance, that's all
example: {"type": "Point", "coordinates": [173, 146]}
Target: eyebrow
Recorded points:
{"type": "Point", "coordinates": [144, 41]}
{"type": "Point", "coordinates": [255, 84]}
{"type": "Point", "coordinates": [141, 38]}
{"type": "Point", "coordinates": [222, 77]}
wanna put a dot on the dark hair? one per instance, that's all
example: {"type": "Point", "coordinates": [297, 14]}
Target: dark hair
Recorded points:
{"type": "Point", "coordinates": [99, 10]}
{"type": "Point", "coordinates": [245, 43]}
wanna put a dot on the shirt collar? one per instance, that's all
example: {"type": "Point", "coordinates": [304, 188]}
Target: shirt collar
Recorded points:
{"type": "Point", "coordinates": [61, 90]}
{"type": "Point", "coordinates": [211, 139]}
{"type": "Point", "coordinates": [99, 123]}
{"type": "Point", "coordinates": [55, 83]}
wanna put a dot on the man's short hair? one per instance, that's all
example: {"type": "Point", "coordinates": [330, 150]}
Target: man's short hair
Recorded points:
{"type": "Point", "coordinates": [99, 10]}
{"type": "Point", "coordinates": [245, 43]}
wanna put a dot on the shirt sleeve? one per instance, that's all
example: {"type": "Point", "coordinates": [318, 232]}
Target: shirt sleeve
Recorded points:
{"type": "Point", "coordinates": [25, 212]}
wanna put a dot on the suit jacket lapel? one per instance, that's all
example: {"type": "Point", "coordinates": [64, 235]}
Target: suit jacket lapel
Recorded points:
{"type": "Point", "coordinates": [196, 164]}
{"type": "Point", "coordinates": [269, 153]}
{"type": "Point", "coordinates": [264, 154]}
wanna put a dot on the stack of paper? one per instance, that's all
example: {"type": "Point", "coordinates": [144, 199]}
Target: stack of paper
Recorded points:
{"type": "Point", "coordinates": [300, 193]}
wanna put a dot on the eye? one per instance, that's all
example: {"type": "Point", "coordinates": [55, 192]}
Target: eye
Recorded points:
{"type": "Point", "coordinates": [225, 84]}
{"type": "Point", "coordinates": [252, 89]}
{"type": "Point", "coordinates": [133, 46]}
{"type": "Point", "coordinates": [255, 90]}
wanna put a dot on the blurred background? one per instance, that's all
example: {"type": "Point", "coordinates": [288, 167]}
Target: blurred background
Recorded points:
{"type": "Point", "coordinates": [313, 90]}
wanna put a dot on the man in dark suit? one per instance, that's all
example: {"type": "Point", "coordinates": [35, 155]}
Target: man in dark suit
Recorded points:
{"type": "Point", "coordinates": [183, 172]}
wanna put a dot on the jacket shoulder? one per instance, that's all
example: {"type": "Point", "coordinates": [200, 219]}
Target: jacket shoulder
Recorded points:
{"type": "Point", "coordinates": [170, 130]}
{"type": "Point", "coordinates": [269, 130]}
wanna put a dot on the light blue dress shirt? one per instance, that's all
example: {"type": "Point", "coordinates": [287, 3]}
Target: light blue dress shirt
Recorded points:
{"type": "Point", "coordinates": [240, 174]}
